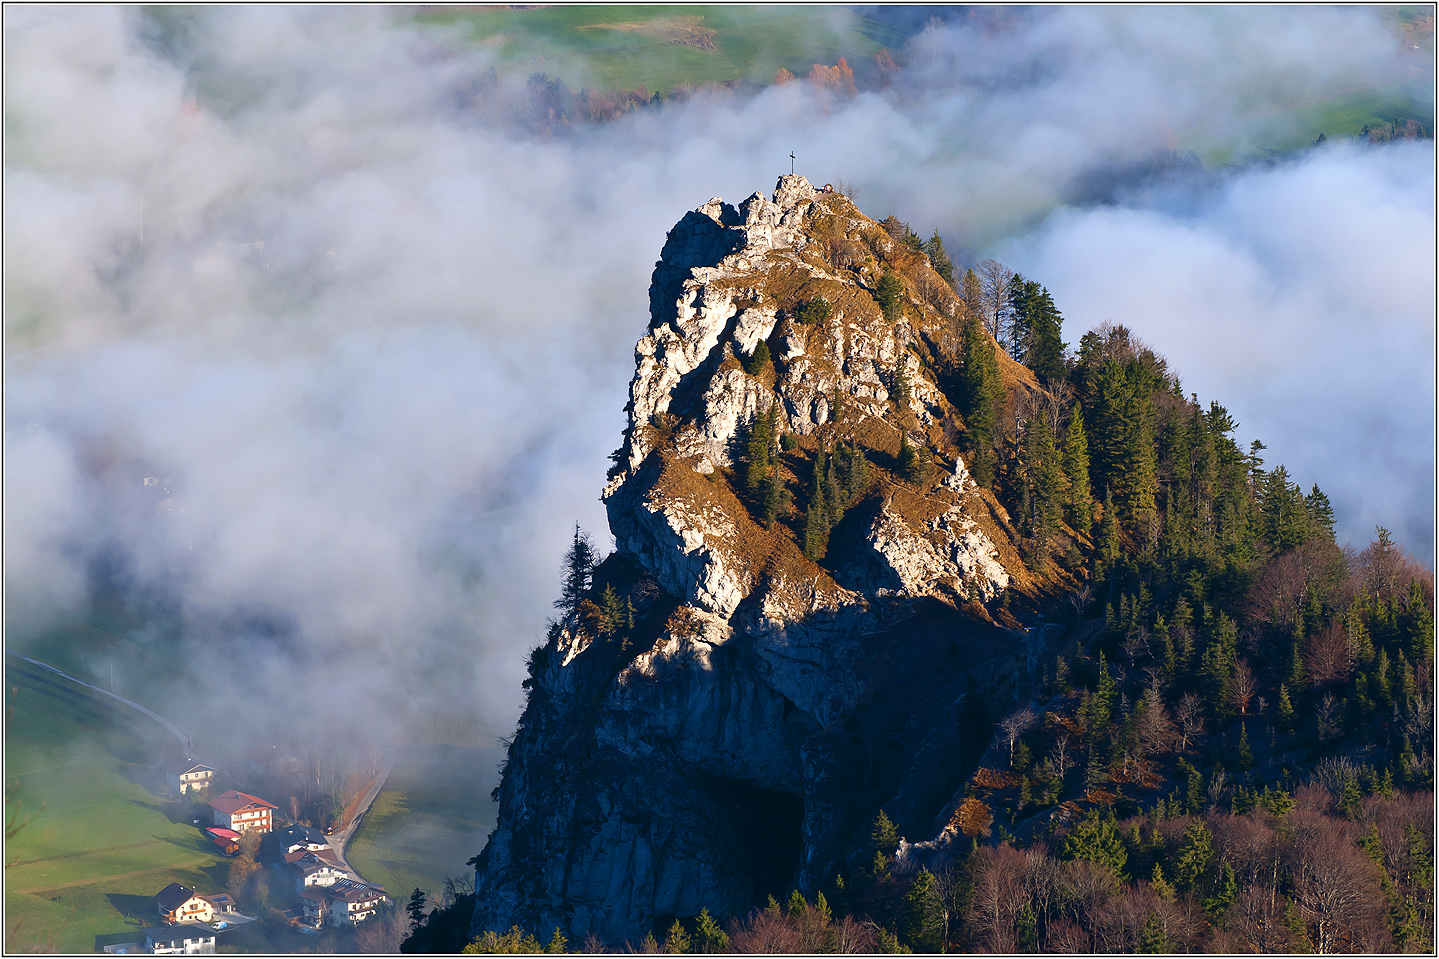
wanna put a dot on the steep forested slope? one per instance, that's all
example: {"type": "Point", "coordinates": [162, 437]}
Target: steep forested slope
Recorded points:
{"type": "Point", "coordinates": [949, 637]}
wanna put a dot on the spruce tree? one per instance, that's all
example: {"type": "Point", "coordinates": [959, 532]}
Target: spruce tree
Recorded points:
{"type": "Point", "coordinates": [1045, 479]}
{"type": "Point", "coordinates": [1321, 514]}
{"type": "Point", "coordinates": [758, 360]}
{"type": "Point", "coordinates": [709, 936]}
{"type": "Point", "coordinates": [578, 567]}
{"type": "Point", "coordinates": [889, 294]}
{"type": "Point", "coordinates": [900, 388]}
{"type": "Point", "coordinates": [759, 450]}
{"type": "Point", "coordinates": [909, 463]}
{"type": "Point", "coordinates": [980, 391]}
{"type": "Point", "coordinates": [939, 259]}
{"type": "Point", "coordinates": [1153, 941]}
{"type": "Point", "coordinates": [1076, 470]}
{"type": "Point", "coordinates": [1284, 711]}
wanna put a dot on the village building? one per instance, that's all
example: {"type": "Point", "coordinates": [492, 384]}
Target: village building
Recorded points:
{"type": "Point", "coordinates": [311, 855]}
{"type": "Point", "coordinates": [318, 874]}
{"type": "Point", "coordinates": [314, 906]}
{"type": "Point", "coordinates": [353, 902]}
{"type": "Point", "coordinates": [176, 903]}
{"type": "Point", "coordinates": [296, 836]}
{"type": "Point", "coordinates": [184, 939]}
{"type": "Point", "coordinates": [222, 902]}
{"type": "Point", "coordinates": [187, 775]}
{"type": "Point", "coordinates": [242, 812]}
{"type": "Point", "coordinates": [227, 839]}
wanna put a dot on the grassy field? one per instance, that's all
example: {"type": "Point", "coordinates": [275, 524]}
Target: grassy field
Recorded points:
{"type": "Point", "coordinates": [101, 844]}
{"type": "Point", "coordinates": [661, 47]}
{"type": "Point", "coordinates": [433, 814]}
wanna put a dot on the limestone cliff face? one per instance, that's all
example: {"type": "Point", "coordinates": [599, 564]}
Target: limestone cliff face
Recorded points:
{"type": "Point", "coordinates": [737, 736]}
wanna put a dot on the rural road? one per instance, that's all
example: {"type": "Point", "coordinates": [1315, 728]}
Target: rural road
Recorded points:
{"type": "Point", "coordinates": [338, 840]}
{"type": "Point", "coordinates": [174, 730]}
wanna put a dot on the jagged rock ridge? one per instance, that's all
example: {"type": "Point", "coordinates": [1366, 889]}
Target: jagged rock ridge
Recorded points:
{"type": "Point", "coordinates": [763, 706]}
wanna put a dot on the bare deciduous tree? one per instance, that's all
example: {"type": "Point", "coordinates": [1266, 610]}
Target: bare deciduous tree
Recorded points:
{"type": "Point", "coordinates": [995, 280]}
{"type": "Point", "coordinates": [382, 934]}
{"type": "Point", "coordinates": [1190, 713]}
{"type": "Point", "coordinates": [1015, 725]}
{"type": "Point", "coordinates": [1059, 754]}
{"type": "Point", "coordinates": [1334, 884]}
{"type": "Point", "coordinates": [1327, 656]}
{"type": "Point", "coordinates": [1154, 727]}
{"type": "Point", "coordinates": [1242, 687]}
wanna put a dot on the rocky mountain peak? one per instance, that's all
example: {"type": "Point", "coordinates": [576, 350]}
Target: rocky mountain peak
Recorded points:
{"type": "Point", "coordinates": [805, 565]}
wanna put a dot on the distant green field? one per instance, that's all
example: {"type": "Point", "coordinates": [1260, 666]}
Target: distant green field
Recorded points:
{"type": "Point", "coordinates": [433, 814]}
{"type": "Point", "coordinates": [662, 47]}
{"type": "Point", "coordinates": [100, 844]}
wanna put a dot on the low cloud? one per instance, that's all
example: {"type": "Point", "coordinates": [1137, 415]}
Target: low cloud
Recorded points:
{"type": "Point", "coordinates": [378, 348]}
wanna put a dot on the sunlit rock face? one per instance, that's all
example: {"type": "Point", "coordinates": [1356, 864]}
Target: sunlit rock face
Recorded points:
{"type": "Point", "coordinates": [716, 741]}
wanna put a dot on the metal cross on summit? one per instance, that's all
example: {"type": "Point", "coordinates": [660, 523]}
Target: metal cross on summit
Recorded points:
{"type": "Point", "coordinates": [791, 164]}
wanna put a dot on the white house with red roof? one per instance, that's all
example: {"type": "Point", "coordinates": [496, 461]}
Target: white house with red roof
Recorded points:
{"type": "Point", "coordinates": [242, 812]}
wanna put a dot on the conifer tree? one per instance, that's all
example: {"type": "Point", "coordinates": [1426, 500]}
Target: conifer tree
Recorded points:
{"type": "Point", "coordinates": [971, 293]}
{"type": "Point", "coordinates": [677, 941]}
{"type": "Point", "coordinates": [922, 924]}
{"type": "Point", "coordinates": [939, 259]}
{"type": "Point", "coordinates": [612, 613]}
{"type": "Point", "coordinates": [1195, 855]}
{"type": "Point", "coordinates": [1224, 894]}
{"type": "Point", "coordinates": [890, 296]}
{"type": "Point", "coordinates": [1035, 330]}
{"type": "Point", "coordinates": [1076, 470]}
{"type": "Point", "coordinates": [980, 392]}
{"type": "Point", "coordinates": [884, 836]}
{"type": "Point", "coordinates": [1284, 711]}
{"type": "Point", "coordinates": [709, 936]}
{"type": "Point", "coordinates": [900, 387]}
{"type": "Point", "coordinates": [758, 359]}
{"type": "Point", "coordinates": [1153, 941]}
{"type": "Point", "coordinates": [1321, 514]}
{"type": "Point", "coordinates": [759, 449]}
{"type": "Point", "coordinates": [578, 567]}
{"type": "Point", "coordinates": [1045, 480]}
{"type": "Point", "coordinates": [911, 467]}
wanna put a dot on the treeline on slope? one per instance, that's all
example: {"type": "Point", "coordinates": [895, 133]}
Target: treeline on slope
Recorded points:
{"type": "Point", "coordinates": [1182, 780]}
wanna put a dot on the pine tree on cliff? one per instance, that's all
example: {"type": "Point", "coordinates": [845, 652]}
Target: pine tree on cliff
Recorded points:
{"type": "Point", "coordinates": [910, 463]}
{"type": "Point", "coordinates": [980, 392]}
{"type": "Point", "coordinates": [1035, 330]}
{"type": "Point", "coordinates": [939, 259]}
{"type": "Point", "coordinates": [899, 388]}
{"type": "Point", "coordinates": [579, 566]}
{"type": "Point", "coordinates": [759, 449]}
{"type": "Point", "coordinates": [890, 296]}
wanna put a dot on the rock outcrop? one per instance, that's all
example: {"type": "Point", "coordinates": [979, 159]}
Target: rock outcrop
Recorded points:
{"type": "Point", "coordinates": [733, 731]}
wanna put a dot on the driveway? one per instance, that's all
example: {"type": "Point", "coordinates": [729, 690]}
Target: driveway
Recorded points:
{"type": "Point", "coordinates": [338, 840]}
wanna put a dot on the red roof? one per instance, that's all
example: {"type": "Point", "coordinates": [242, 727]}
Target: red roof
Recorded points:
{"type": "Point", "coordinates": [233, 801]}
{"type": "Point", "coordinates": [225, 844]}
{"type": "Point", "coordinates": [222, 831]}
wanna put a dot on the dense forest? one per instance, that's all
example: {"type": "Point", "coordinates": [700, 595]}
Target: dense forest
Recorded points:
{"type": "Point", "coordinates": [1229, 748]}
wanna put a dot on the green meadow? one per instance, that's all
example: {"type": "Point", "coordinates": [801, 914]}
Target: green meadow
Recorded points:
{"type": "Point", "coordinates": [94, 844]}
{"type": "Point", "coordinates": [662, 47]}
{"type": "Point", "coordinates": [433, 815]}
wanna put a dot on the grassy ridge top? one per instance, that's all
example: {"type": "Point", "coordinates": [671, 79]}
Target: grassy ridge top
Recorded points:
{"type": "Point", "coordinates": [663, 47]}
